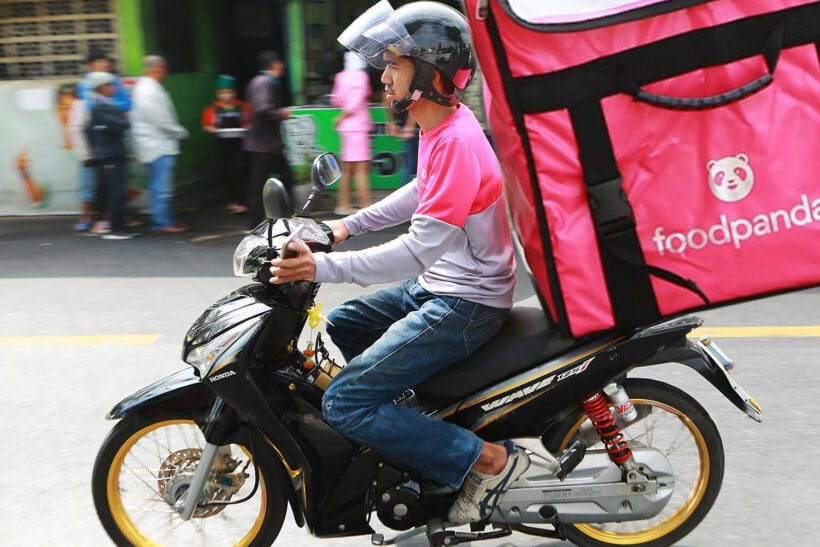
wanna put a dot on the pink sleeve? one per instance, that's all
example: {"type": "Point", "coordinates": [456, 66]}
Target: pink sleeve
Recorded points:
{"type": "Point", "coordinates": [453, 179]}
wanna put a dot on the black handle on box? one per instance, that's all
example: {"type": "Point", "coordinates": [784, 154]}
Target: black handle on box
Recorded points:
{"type": "Point", "coordinates": [770, 51]}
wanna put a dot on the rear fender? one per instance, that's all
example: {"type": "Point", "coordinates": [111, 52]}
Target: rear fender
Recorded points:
{"type": "Point", "coordinates": [691, 354]}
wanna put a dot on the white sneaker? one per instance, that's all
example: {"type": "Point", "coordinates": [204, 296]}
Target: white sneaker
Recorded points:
{"type": "Point", "coordinates": [119, 235]}
{"type": "Point", "coordinates": [480, 493]}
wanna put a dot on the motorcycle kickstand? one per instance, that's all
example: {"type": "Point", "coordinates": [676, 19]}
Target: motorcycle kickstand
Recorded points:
{"type": "Point", "coordinates": [378, 539]}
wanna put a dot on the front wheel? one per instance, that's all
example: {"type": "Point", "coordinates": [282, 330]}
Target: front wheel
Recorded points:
{"type": "Point", "coordinates": [681, 429]}
{"type": "Point", "coordinates": [144, 466]}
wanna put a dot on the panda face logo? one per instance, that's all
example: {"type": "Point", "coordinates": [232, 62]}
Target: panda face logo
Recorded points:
{"type": "Point", "coordinates": [731, 179]}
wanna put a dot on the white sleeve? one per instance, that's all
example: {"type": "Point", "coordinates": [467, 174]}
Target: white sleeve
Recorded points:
{"type": "Point", "coordinates": [396, 208]}
{"type": "Point", "coordinates": [158, 111]}
{"type": "Point", "coordinates": [78, 118]}
{"type": "Point", "coordinates": [405, 257]}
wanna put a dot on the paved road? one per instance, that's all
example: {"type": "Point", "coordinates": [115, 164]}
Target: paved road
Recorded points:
{"type": "Point", "coordinates": [55, 396]}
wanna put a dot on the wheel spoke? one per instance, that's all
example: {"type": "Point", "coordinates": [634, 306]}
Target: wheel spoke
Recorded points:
{"type": "Point", "coordinates": [163, 457]}
{"type": "Point", "coordinates": [669, 430]}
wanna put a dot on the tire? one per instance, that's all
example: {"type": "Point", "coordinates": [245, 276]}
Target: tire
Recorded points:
{"type": "Point", "coordinates": [698, 451]}
{"type": "Point", "coordinates": [143, 462]}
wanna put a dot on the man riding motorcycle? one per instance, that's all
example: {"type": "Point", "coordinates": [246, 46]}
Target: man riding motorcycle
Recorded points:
{"type": "Point", "coordinates": [458, 244]}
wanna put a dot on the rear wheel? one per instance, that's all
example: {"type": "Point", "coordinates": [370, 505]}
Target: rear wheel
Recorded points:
{"type": "Point", "coordinates": [682, 430]}
{"type": "Point", "coordinates": [144, 466]}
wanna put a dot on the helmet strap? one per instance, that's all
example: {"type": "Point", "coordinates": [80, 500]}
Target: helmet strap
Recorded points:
{"type": "Point", "coordinates": [422, 85]}
{"type": "Point", "coordinates": [400, 106]}
{"type": "Point", "coordinates": [423, 80]}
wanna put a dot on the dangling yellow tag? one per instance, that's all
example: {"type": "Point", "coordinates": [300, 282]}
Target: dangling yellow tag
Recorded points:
{"type": "Point", "coordinates": [315, 316]}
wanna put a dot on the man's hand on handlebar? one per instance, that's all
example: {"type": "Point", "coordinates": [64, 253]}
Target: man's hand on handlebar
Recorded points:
{"type": "Point", "coordinates": [339, 230]}
{"type": "Point", "coordinates": [300, 267]}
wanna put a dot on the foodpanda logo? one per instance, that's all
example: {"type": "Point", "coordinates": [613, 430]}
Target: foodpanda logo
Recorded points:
{"type": "Point", "coordinates": [731, 179]}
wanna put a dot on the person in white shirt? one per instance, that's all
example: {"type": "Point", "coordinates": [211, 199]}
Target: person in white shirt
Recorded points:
{"type": "Point", "coordinates": [157, 134]}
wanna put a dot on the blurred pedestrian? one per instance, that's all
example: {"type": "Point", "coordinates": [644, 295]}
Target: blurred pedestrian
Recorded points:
{"type": "Point", "coordinates": [92, 192]}
{"type": "Point", "coordinates": [157, 135]}
{"type": "Point", "coordinates": [98, 60]}
{"type": "Point", "coordinates": [228, 112]}
{"type": "Point", "coordinates": [351, 91]}
{"type": "Point", "coordinates": [106, 139]}
{"type": "Point", "coordinates": [263, 143]}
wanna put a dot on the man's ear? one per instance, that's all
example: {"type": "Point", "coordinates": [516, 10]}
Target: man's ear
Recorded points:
{"type": "Point", "coordinates": [437, 81]}
{"type": "Point", "coordinates": [442, 84]}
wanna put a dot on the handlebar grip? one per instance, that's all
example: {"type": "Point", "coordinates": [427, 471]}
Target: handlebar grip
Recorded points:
{"type": "Point", "coordinates": [326, 229]}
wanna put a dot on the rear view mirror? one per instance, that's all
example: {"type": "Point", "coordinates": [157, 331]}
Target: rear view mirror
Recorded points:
{"type": "Point", "coordinates": [326, 171]}
{"type": "Point", "coordinates": [275, 199]}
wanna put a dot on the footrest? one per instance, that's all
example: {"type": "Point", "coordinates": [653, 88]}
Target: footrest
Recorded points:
{"type": "Point", "coordinates": [439, 537]}
{"type": "Point", "coordinates": [570, 459]}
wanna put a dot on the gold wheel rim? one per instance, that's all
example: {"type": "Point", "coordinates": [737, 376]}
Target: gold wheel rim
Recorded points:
{"type": "Point", "coordinates": [115, 504]}
{"type": "Point", "coordinates": [677, 518]}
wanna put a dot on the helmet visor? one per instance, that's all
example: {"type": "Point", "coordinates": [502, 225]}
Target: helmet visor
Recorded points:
{"type": "Point", "coordinates": [378, 37]}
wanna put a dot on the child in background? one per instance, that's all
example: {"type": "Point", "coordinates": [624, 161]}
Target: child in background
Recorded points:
{"type": "Point", "coordinates": [228, 112]}
{"type": "Point", "coordinates": [106, 131]}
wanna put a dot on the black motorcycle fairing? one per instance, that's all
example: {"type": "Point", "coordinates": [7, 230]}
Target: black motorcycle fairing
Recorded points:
{"type": "Point", "coordinates": [272, 347]}
{"type": "Point", "coordinates": [181, 392]}
{"type": "Point", "coordinates": [518, 408]}
{"type": "Point", "coordinates": [227, 312]}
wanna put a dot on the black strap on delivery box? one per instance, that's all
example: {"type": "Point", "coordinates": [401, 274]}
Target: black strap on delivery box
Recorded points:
{"type": "Point", "coordinates": [628, 284]}
{"type": "Point", "coordinates": [580, 89]}
{"type": "Point", "coordinates": [540, 214]}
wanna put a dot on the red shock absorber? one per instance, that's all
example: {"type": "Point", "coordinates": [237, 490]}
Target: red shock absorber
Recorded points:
{"type": "Point", "coordinates": [604, 422]}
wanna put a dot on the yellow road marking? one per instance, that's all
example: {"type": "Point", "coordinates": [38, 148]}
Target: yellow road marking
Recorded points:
{"type": "Point", "coordinates": [810, 331]}
{"type": "Point", "coordinates": [757, 332]}
{"type": "Point", "coordinates": [80, 340]}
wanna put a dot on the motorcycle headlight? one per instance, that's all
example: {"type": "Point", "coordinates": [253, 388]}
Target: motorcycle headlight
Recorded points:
{"type": "Point", "coordinates": [222, 350]}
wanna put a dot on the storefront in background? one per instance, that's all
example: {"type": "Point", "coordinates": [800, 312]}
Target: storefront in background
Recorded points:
{"type": "Point", "coordinates": [43, 45]}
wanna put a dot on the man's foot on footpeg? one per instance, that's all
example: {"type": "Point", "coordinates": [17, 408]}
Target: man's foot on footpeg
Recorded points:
{"type": "Point", "coordinates": [480, 493]}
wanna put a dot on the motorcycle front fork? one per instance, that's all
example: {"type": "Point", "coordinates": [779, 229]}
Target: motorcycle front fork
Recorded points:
{"type": "Point", "coordinates": [186, 505]}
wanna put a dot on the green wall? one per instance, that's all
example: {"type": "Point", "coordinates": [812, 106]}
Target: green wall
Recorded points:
{"type": "Point", "coordinates": [132, 39]}
{"type": "Point", "coordinates": [295, 49]}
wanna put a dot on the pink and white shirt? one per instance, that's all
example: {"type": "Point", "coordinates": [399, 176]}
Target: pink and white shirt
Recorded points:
{"type": "Point", "coordinates": [459, 241]}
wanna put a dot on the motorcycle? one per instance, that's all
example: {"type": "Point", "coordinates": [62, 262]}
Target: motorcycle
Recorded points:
{"type": "Point", "coordinates": [216, 453]}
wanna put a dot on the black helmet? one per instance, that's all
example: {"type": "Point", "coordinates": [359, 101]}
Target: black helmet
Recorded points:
{"type": "Point", "coordinates": [433, 35]}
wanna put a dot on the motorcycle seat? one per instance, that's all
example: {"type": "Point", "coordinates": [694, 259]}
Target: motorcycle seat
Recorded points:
{"type": "Point", "coordinates": [525, 340]}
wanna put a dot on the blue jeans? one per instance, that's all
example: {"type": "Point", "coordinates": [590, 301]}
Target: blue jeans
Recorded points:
{"type": "Point", "coordinates": [161, 190]}
{"type": "Point", "coordinates": [88, 183]}
{"type": "Point", "coordinates": [393, 339]}
{"type": "Point", "coordinates": [111, 173]}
